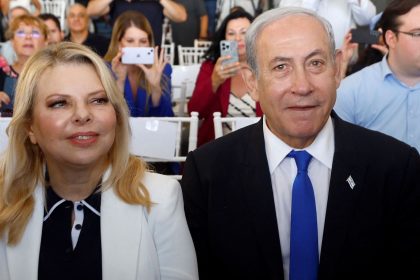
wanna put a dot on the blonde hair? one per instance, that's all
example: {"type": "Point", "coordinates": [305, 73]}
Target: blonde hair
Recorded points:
{"type": "Point", "coordinates": [22, 165]}
{"type": "Point", "coordinates": [27, 20]}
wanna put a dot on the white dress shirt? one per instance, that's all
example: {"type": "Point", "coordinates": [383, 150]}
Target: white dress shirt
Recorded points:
{"type": "Point", "coordinates": [342, 14]}
{"type": "Point", "coordinates": [283, 171]}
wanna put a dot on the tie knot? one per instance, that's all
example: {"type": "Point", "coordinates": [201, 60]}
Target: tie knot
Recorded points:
{"type": "Point", "coordinates": [302, 159]}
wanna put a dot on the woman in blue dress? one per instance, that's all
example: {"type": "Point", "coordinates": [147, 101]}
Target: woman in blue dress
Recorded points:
{"type": "Point", "coordinates": [147, 88]}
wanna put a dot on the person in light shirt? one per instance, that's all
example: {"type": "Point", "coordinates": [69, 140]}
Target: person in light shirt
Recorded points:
{"type": "Point", "coordinates": [342, 14]}
{"type": "Point", "coordinates": [385, 96]}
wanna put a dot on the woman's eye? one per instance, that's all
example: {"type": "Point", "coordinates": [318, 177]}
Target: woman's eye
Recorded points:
{"type": "Point", "coordinates": [102, 100]}
{"type": "Point", "coordinates": [57, 104]}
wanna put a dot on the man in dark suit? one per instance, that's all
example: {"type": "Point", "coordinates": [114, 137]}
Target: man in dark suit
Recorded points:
{"type": "Point", "coordinates": [239, 190]}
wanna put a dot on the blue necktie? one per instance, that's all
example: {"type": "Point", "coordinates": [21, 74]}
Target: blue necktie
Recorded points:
{"type": "Point", "coordinates": [303, 226]}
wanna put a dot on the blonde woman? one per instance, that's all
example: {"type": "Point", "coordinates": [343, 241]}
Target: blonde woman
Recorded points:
{"type": "Point", "coordinates": [147, 88]}
{"type": "Point", "coordinates": [73, 202]}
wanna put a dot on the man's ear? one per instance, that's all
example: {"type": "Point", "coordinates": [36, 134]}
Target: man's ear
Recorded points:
{"type": "Point", "coordinates": [390, 39]}
{"type": "Point", "coordinates": [251, 82]}
{"type": "Point", "coordinates": [340, 67]}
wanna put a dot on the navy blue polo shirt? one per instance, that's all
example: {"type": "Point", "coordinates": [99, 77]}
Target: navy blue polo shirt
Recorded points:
{"type": "Point", "coordinates": [71, 250]}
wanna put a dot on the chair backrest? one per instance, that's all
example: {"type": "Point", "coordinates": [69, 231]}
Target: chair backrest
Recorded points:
{"type": "Point", "coordinates": [202, 43]}
{"type": "Point", "coordinates": [233, 122]}
{"type": "Point", "coordinates": [160, 139]}
{"type": "Point", "coordinates": [57, 8]}
{"type": "Point", "coordinates": [169, 51]}
{"type": "Point", "coordinates": [190, 55]}
{"type": "Point", "coordinates": [183, 83]}
{"type": "Point", "coordinates": [166, 31]}
{"type": "Point", "coordinates": [4, 122]}
{"type": "Point", "coordinates": [155, 139]}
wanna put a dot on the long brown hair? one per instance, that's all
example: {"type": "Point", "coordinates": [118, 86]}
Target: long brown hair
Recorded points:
{"type": "Point", "coordinates": [123, 22]}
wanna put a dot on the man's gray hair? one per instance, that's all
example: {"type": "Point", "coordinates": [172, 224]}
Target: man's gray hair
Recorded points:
{"type": "Point", "coordinates": [271, 16]}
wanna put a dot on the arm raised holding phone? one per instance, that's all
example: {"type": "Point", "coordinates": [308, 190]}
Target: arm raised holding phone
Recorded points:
{"type": "Point", "coordinates": [140, 68]}
{"type": "Point", "coordinates": [219, 85]}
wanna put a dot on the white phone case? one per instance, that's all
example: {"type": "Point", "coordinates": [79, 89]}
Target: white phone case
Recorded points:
{"type": "Point", "coordinates": [139, 55]}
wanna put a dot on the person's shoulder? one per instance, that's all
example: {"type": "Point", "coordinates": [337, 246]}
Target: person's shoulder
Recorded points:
{"type": "Point", "coordinates": [168, 69]}
{"type": "Point", "coordinates": [373, 143]}
{"type": "Point", "coordinates": [208, 63]}
{"type": "Point", "coordinates": [363, 74]}
{"type": "Point", "coordinates": [362, 79]}
{"type": "Point", "coordinates": [233, 142]}
{"type": "Point", "coordinates": [97, 38]}
{"type": "Point", "coordinates": [161, 188]}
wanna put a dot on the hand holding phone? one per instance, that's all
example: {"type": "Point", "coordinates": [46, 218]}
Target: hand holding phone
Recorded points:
{"type": "Point", "coordinates": [229, 48]}
{"type": "Point", "coordinates": [137, 55]}
{"type": "Point", "coordinates": [365, 36]}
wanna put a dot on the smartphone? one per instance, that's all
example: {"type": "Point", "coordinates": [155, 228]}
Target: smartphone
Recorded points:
{"type": "Point", "coordinates": [139, 55]}
{"type": "Point", "coordinates": [229, 48]}
{"type": "Point", "coordinates": [365, 36]}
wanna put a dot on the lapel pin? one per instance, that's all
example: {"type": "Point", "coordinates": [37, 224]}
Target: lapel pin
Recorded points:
{"type": "Point", "coordinates": [351, 182]}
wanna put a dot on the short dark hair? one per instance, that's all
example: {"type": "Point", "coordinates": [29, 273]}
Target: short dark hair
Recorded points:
{"type": "Point", "coordinates": [52, 17]}
{"type": "Point", "coordinates": [390, 17]}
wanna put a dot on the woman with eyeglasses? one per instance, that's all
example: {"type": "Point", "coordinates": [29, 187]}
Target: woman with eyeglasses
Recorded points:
{"type": "Point", "coordinates": [28, 35]}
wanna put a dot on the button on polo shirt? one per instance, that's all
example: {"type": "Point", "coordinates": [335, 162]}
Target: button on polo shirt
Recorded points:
{"type": "Point", "coordinates": [71, 250]}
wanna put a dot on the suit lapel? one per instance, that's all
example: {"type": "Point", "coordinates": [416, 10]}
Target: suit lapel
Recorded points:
{"type": "Point", "coordinates": [346, 182]}
{"type": "Point", "coordinates": [259, 197]}
{"type": "Point", "coordinates": [23, 258]}
{"type": "Point", "coordinates": [120, 222]}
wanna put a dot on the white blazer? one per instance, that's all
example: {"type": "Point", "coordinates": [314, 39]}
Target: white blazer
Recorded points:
{"type": "Point", "coordinates": [135, 244]}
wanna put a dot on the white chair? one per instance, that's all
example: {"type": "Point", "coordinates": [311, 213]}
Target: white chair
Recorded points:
{"type": "Point", "coordinates": [169, 51]}
{"type": "Point", "coordinates": [183, 83]}
{"type": "Point", "coordinates": [166, 32]}
{"type": "Point", "coordinates": [159, 139]}
{"type": "Point", "coordinates": [190, 55]}
{"type": "Point", "coordinates": [235, 123]}
{"type": "Point", "coordinates": [57, 8]}
{"type": "Point", "coordinates": [202, 43]}
{"type": "Point", "coordinates": [4, 122]}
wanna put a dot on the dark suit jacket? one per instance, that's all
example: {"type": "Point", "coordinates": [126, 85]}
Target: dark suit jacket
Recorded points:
{"type": "Point", "coordinates": [371, 231]}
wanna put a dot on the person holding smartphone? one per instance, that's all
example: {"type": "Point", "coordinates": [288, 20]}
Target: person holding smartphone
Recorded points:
{"type": "Point", "coordinates": [147, 88]}
{"type": "Point", "coordinates": [220, 86]}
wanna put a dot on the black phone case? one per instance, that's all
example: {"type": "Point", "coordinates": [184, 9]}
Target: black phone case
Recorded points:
{"type": "Point", "coordinates": [365, 36]}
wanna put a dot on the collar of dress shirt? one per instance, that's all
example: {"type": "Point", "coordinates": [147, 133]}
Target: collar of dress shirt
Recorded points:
{"type": "Point", "coordinates": [322, 149]}
{"type": "Point", "coordinates": [93, 202]}
{"type": "Point", "coordinates": [385, 70]}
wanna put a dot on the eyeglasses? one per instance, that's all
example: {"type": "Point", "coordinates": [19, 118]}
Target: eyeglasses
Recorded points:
{"type": "Point", "coordinates": [33, 34]}
{"type": "Point", "coordinates": [415, 34]}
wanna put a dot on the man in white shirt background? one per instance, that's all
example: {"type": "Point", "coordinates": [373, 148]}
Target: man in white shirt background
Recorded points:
{"type": "Point", "coordinates": [342, 14]}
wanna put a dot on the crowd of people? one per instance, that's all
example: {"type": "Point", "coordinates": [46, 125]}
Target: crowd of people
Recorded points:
{"type": "Point", "coordinates": [326, 185]}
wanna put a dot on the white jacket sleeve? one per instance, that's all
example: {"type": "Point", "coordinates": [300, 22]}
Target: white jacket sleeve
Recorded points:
{"type": "Point", "coordinates": [174, 246]}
